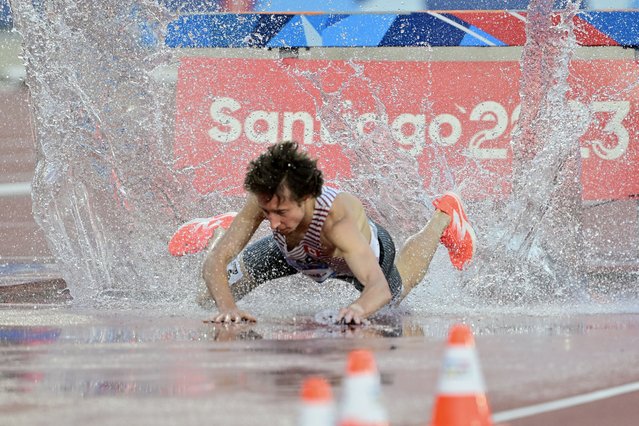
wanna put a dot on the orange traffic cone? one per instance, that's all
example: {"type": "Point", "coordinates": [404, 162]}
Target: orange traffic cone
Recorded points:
{"type": "Point", "coordinates": [318, 408]}
{"type": "Point", "coordinates": [361, 403]}
{"type": "Point", "coordinates": [461, 400]}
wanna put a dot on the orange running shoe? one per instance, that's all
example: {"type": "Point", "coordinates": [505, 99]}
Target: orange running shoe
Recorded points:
{"type": "Point", "coordinates": [194, 236]}
{"type": "Point", "coordinates": [459, 236]}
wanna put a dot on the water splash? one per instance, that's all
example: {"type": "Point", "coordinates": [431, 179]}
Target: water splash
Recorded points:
{"type": "Point", "coordinates": [378, 167]}
{"type": "Point", "coordinates": [535, 254]}
{"type": "Point", "coordinates": [103, 191]}
{"type": "Point", "coordinates": [108, 197]}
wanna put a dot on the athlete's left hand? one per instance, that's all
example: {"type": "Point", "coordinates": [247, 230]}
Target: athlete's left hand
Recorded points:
{"type": "Point", "coordinates": [353, 314]}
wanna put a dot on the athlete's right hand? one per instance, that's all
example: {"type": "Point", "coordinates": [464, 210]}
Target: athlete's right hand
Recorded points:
{"type": "Point", "coordinates": [232, 315]}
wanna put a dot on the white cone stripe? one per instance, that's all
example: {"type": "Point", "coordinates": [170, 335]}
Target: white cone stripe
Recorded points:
{"type": "Point", "coordinates": [461, 374]}
{"type": "Point", "coordinates": [317, 414]}
{"type": "Point", "coordinates": [362, 401]}
{"type": "Point", "coordinates": [362, 382]}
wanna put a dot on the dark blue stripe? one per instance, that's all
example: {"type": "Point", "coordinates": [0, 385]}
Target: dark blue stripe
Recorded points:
{"type": "Point", "coordinates": [422, 29]}
{"type": "Point", "coordinates": [267, 27]}
{"type": "Point", "coordinates": [211, 30]}
{"type": "Point", "coordinates": [623, 27]}
{"type": "Point", "coordinates": [291, 35]}
{"type": "Point", "coordinates": [25, 335]}
{"type": "Point", "coordinates": [6, 20]}
{"type": "Point", "coordinates": [192, 6]}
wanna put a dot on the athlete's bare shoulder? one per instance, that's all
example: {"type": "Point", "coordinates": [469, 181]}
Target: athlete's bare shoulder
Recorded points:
{"type": "Point", "coordinates": [346, 206]}
{"type": "Point", "coordinates": [349, 200]}
{"type": "Point", "coordinates": [346, 221]}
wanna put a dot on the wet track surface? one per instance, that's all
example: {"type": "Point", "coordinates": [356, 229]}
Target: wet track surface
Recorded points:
{"type": "Point", "coordinates": [154, 368]}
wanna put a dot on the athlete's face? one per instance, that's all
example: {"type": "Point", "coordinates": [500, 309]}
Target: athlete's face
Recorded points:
{"type": "Point", "coordinates": [283, 214]}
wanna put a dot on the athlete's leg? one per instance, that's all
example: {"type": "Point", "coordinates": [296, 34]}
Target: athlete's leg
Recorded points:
{"type": "Point", "coordinates": [418, 251]}
{"type": "Point", "coordinates": [258, 263]}
{"type": "Point", "coordinates": [449, 225]}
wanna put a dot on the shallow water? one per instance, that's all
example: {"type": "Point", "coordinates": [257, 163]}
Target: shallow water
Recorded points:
{"type": "Point", "coordinates": [151, 367]}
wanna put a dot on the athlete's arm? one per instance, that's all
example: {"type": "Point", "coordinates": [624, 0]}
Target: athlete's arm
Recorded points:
{"type": "Point", "coordinates": [344, 233]}
{"type": "Point", "coordinates": [225, 250]}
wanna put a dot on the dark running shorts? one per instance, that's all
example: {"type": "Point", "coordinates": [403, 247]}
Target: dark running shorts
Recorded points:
{"type": "Point", "coordinates": [263, 261]}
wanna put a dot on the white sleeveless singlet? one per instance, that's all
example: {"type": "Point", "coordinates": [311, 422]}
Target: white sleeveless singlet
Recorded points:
{"type": "Point", "coordinates": [309, 256]}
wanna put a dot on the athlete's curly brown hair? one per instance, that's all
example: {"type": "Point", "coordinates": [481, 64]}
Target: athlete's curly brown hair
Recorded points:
{"type": "Point", "coordinates": [284, 165]}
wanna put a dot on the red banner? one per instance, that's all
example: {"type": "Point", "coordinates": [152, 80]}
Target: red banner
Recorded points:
{"type": "Point", "coordinates": [452, 117]}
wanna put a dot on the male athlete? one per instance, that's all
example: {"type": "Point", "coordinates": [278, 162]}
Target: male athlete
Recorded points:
{"type": "Point", "coordinates": [323, 233]}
